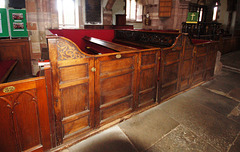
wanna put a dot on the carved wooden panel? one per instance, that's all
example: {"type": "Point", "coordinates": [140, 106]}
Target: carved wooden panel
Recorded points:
{"type": "Point", "coordinates": [148, 72]}
{"type": "Point", "coordinates": [115, 85]}
{"type": "Point", "coordinates": [24, 116]}
{"type": "Point", "coordinates": [68, 50]}
{"type": "Point", "coordinates": [73, 89]}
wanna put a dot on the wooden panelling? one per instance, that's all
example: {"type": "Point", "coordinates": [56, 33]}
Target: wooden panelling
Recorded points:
{"type": "Point", "coordinates": [168, 90]}
{"type": "Point", "coordinates": [24, 117]}
{"type": "Point", "coordinates": [73, 89]}
{"type": "Point", "coordinates": [148, 72]}
{"type": "Point", "coordinates": [113, 65]}
{"type": "Point", "coordinates": [72, 72]}
{"type": "Point", "coordinates": [75, 99]}
{"type": "Point", "coordinates": [186, 64]}
{"type": "Point", "coordinates": [122, 87]}
{"type": "Point", "coordinates": [91, 91]}
{"type": "Point", "coordinates": [171, 56]}
{"type": "Point", "coordinates": [148, 79]}
{"type": "Point", "coordinates": [115, 82]}
{"type": "Point", "coordinates": [199, 69]}
{"type": "Point", "coordinates": [186, 72]}
{"type": "Point", "coordinates": [116, 109]}
{"type": "Point", "coordinates": [170, 73]}
{"type": "Point", "coordinates": [19, 50]}
{"type": "Point", "coordinates": [76, 125]}
{"type": "Point", "coordinates": [201, 50]}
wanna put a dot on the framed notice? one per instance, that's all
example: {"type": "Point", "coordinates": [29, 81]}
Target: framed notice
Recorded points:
{"type": "Point", "coordinates": [17, 20]}
{"type": "Point", "coordinates": [93, 11]}
{"type": "Point", "coordinates": [3, 23]}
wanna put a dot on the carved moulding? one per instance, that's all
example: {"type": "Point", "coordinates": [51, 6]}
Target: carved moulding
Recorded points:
{"type": "Point", "coordinates": [67, 50]}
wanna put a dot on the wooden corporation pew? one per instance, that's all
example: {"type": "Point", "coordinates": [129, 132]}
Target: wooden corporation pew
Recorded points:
{"type": "Point", "coordinates": [89, 91]}
{"type": "Point", "coordinates": [83, 93]}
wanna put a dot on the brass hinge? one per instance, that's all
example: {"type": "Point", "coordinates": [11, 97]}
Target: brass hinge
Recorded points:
{"type": "Point", "coordinates": [93, 69]}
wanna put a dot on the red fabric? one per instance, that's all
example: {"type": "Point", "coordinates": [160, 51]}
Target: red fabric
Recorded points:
{"type": "Point", "coordinates": [4, 67]}
{"type": "Point", "coordinates": [196, 41]}
{"type": "Point", "coordinates": [98, 48]}
{"type": "Point", "coordinates": [158, 31]}
{"type": "Point", "coordinates": [76, 35]}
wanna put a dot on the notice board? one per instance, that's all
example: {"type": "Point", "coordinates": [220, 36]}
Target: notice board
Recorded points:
{"type": "Point", "coordinates": [3, 23]}
{"type": "Point", "coordinates": [17, 20]}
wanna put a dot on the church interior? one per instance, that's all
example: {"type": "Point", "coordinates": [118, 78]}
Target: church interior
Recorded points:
{"type": "Point", "coordinates": [120, 75]}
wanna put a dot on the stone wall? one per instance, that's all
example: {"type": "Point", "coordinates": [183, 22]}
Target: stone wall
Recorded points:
{"type": "Point", "coordinates": [41, 16]}
{"type": "Point", "coordinates": [178, 15]}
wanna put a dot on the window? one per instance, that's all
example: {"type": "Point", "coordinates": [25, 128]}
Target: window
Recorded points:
{"type": "Point", "coordinates": [134, 10]}
{"type": "Point", "coordinates": [68, 13]}
{"type": "Point", "coordinates": [2, 4]}
{"type": "Point", "coordinates": [215, 9]}
{"type": "Point", "coordinates": [200, 15]}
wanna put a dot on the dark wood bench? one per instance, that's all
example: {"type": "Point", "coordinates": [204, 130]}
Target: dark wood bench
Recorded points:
{"type": "Point", "coordinates": [98, 46]}
{"type": "Point", "coordinates": [6, 68]}
{"type": "Point", "coordinates": [133, 44]}
{"type": "Point", "coordinates": [146, 39]}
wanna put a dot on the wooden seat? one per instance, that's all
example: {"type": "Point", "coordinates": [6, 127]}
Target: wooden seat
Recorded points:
{"type": "Point", "coordinates": [6, 68]}
{"type": "Point", "coordinates": [133, 44]}
{"type": "Point", "coordinates": [100, 46]}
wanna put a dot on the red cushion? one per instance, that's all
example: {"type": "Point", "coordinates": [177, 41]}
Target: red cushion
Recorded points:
{"type": "Point", "coordinates": [76, 35]}
{"type": "Point", "coordinates": [4, 67]}
{"type": "Point", "coordinates": [196, 41]}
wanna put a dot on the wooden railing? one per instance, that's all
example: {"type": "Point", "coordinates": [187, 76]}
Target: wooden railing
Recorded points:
{"type": "Point", "coordinates": [92, 90]}
{"type": "Point", "coordinates": [202, 30]}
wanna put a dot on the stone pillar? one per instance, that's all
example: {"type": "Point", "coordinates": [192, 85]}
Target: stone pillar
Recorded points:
{"type": "Point", "coordinates": [107, 13]}
{"type": "Point", "coordinates": [107, 17]}
{"type": "Point", "coordinates": [178, 15]}
{"type": "Point", "coordinates": [218, 64]}
{"type": "Point", "coordinates": [41, 16]}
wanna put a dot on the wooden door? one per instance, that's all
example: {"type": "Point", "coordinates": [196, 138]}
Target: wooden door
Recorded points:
{"type": "Point", "coordinates": [199, 63]}
{"type": "Point", "coordinates": [24, 116]}
{"type": "Point", "coordinates": [147, 77]}
{"type": "Point", "coordinates": [169, 78]}
{"type": "Point", "coordinates": [73, 89]}
{"type": "Point", "coordinates": [115, 86]}
{"type": "Point", "coordinates": [186, 64]}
